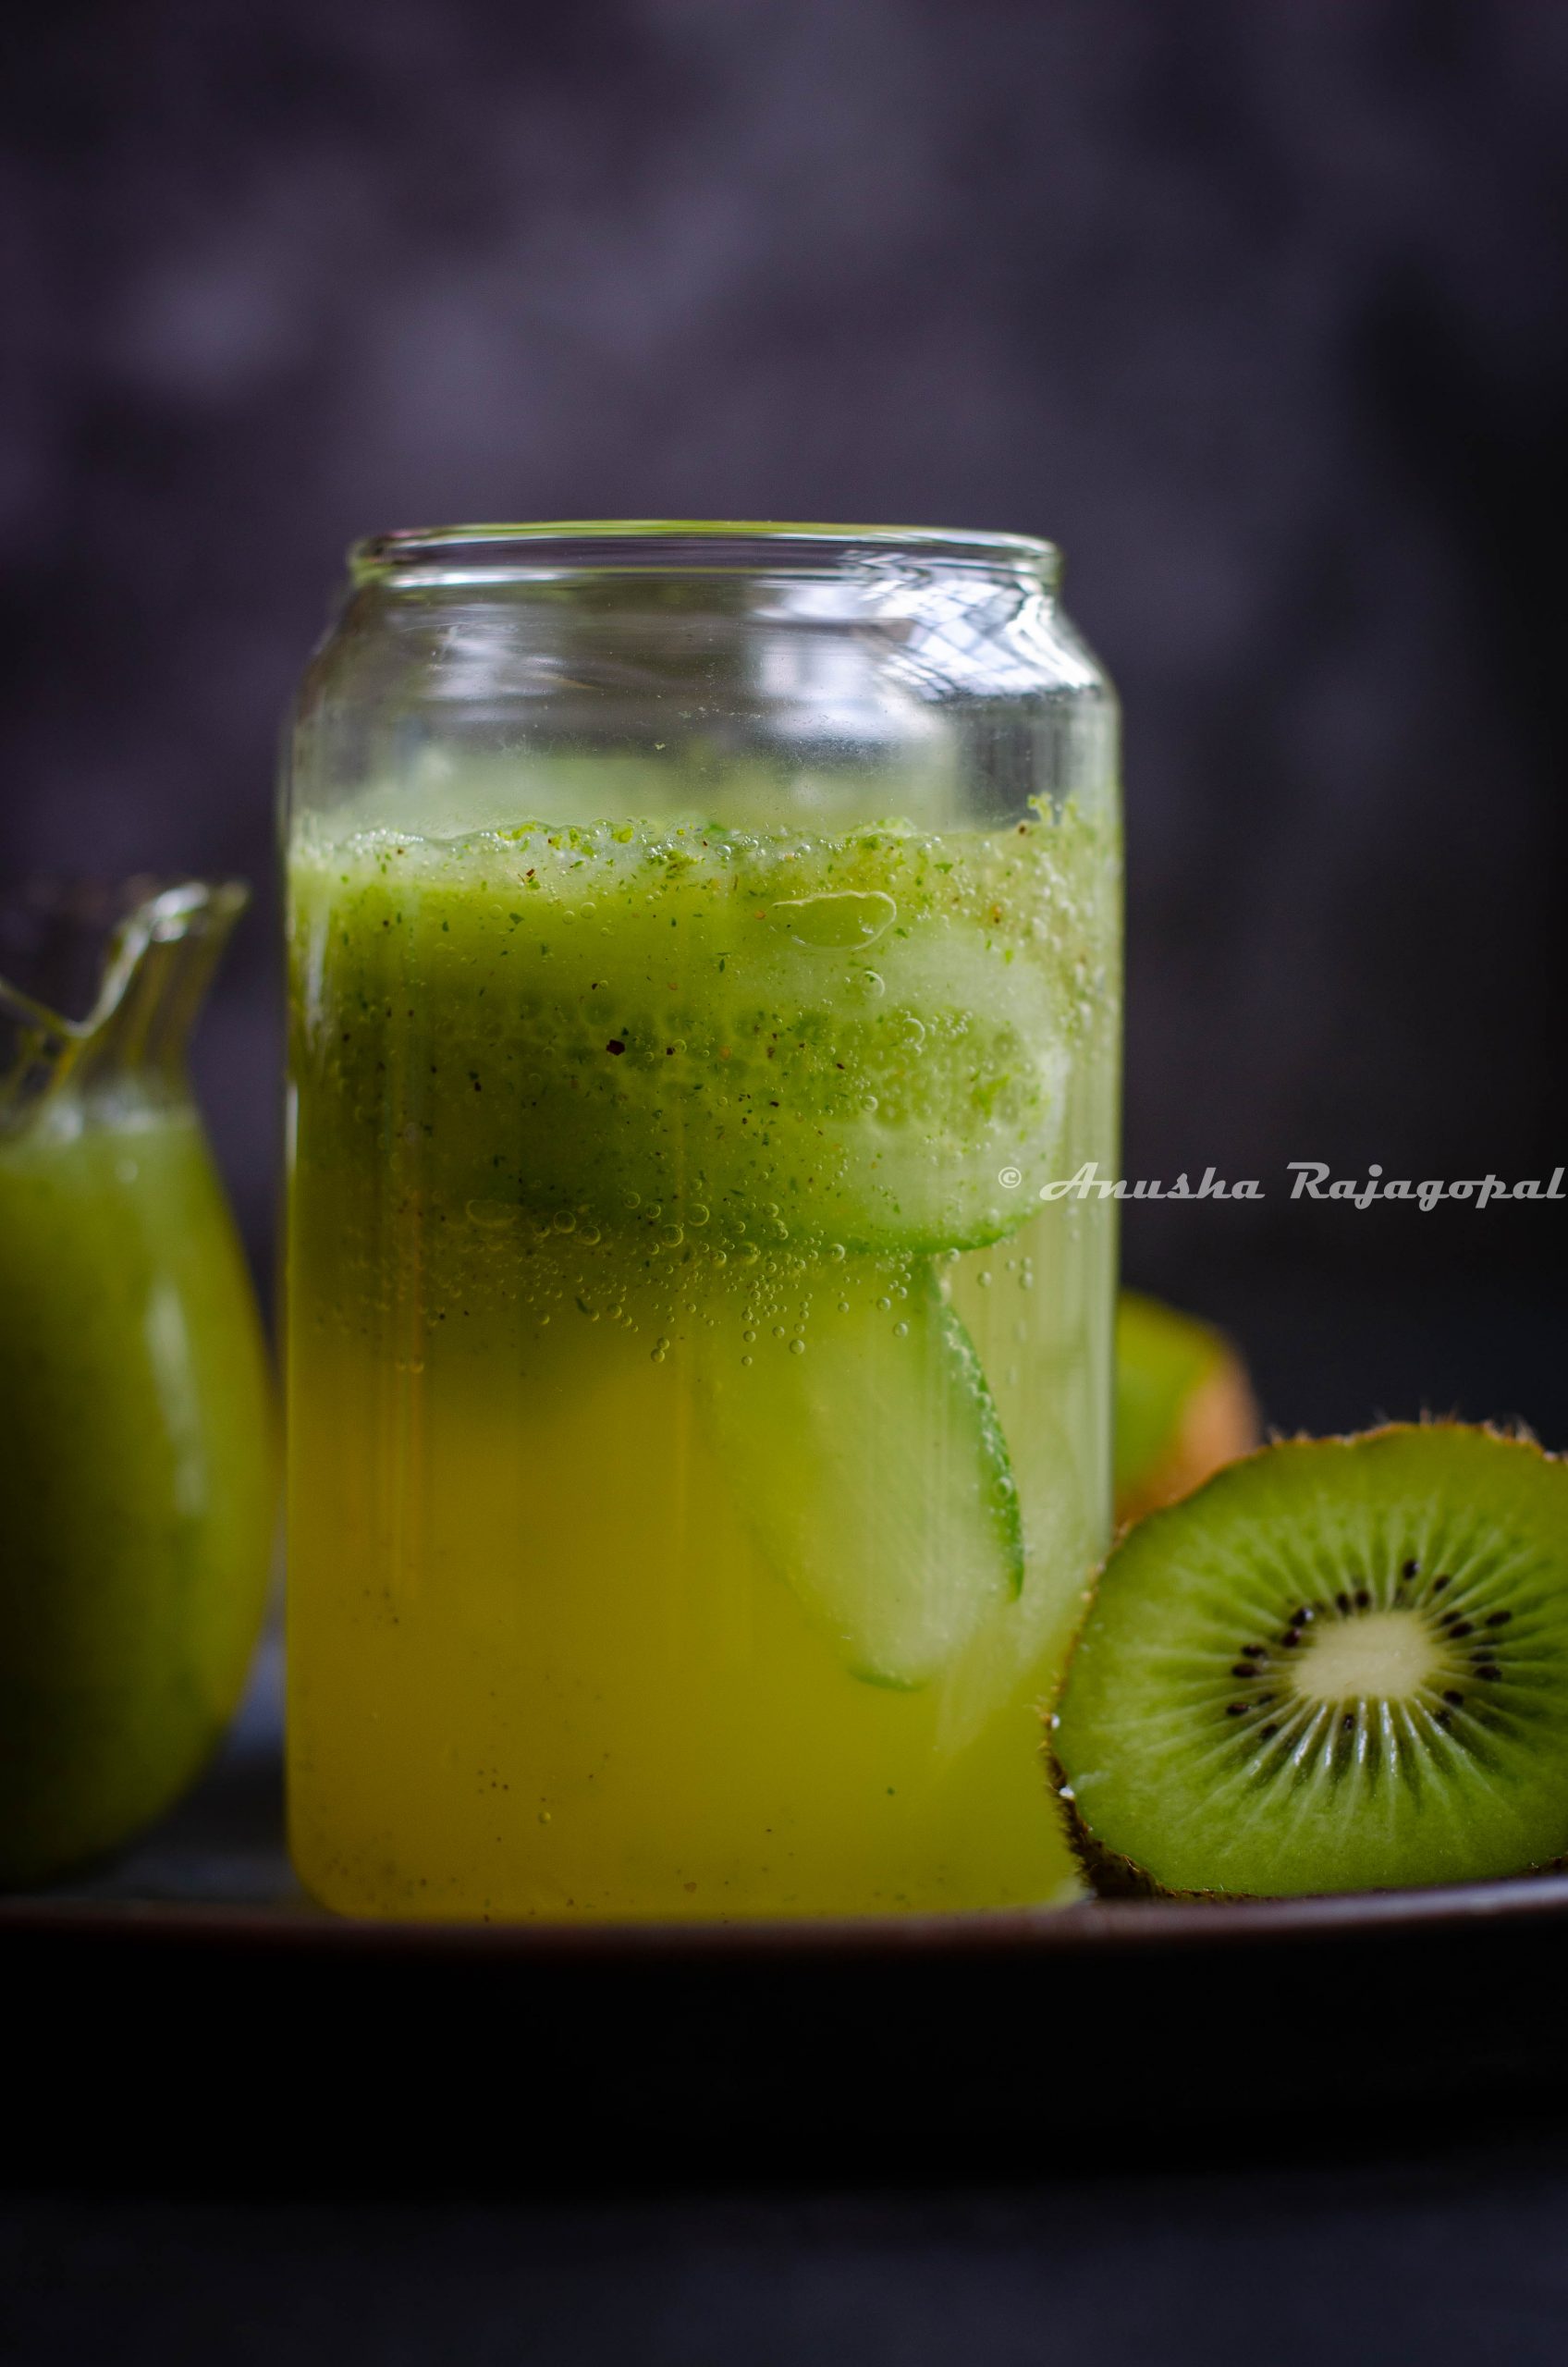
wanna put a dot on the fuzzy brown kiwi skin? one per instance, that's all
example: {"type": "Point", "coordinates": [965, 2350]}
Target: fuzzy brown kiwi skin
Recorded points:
{"type": "Point", "coordinates": [1112, 1876]}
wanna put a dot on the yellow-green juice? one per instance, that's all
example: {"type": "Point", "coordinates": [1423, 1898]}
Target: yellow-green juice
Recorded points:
{"type": "Point", "coordinates": [699, 1423]}
{"type": "Point", "coordinates": [138, 1464]}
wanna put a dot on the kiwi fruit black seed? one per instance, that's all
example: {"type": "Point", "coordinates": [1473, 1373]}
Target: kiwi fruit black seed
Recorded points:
{"type": "Point", "coordinates": [1342, 1664]}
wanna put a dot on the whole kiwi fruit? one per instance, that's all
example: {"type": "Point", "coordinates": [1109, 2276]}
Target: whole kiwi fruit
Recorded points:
{"type": "Point", "coordinates": [1184, 1405]}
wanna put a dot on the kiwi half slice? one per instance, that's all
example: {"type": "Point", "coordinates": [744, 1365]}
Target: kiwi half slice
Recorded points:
{"type": "Point", "coordinates": [1342, 1664]}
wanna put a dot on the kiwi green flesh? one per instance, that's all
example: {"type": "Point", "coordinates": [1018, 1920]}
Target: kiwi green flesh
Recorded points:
{"type": "Point", "coordinates": [1342, 1664]}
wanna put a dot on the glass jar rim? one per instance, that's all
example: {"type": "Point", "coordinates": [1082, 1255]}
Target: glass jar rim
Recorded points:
{"type": "Point", "coordinates": [495, 552]}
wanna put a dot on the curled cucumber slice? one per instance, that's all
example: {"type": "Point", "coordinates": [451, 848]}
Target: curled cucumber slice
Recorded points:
{"type": "Point", "coordinates": [871, 1466]}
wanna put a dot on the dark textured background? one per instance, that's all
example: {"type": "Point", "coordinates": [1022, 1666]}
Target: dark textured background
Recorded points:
{"type": "Point", "coordinates": [1456, 2263]}
{"type": "Point", "coordinates": [1259, 311]}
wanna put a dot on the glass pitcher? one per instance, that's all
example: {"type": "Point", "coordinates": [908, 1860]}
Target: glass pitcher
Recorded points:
{"type": "Point", "coordinates": [705, 958]}
{"type": "Point", "coordinates": [138, 1451]}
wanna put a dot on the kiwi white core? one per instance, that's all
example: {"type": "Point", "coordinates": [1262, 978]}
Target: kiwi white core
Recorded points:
{"type": "Point", "coordinates": [1383, 1655]}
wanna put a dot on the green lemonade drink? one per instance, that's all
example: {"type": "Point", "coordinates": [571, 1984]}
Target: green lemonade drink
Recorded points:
{"type": "Point", "coordinates": [703, 948]}
{"type": "Point", "coordinates": [693, 1473]}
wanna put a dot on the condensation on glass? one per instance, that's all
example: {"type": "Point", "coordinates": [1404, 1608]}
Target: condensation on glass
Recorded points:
{"type": "Point", "coordinates": [704, 952]}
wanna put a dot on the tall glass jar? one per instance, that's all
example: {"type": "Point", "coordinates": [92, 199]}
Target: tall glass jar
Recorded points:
{"type": "Point", "coordinates": [704, 954]}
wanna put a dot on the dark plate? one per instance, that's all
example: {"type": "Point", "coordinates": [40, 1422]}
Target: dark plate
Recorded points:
{"type": "Point", "coordinates": [198, 2019]}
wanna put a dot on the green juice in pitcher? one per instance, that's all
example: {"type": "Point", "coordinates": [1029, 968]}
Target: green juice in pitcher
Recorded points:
{"type": "Point", "coordinates": [137, 1468]}
{"type": "Point", "coordinates": [138, 1436]}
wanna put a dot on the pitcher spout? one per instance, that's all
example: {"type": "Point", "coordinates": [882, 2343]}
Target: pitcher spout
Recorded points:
{"type": "Point", "coordinates": [142, 957]}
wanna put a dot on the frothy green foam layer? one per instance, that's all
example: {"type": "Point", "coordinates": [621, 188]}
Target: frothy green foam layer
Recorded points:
{"type": "Point", "coordinates": [863, 1038]}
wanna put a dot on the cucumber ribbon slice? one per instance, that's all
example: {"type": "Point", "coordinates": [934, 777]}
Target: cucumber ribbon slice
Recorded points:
{"type": "Point", "coordinates": [872, 1467]}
